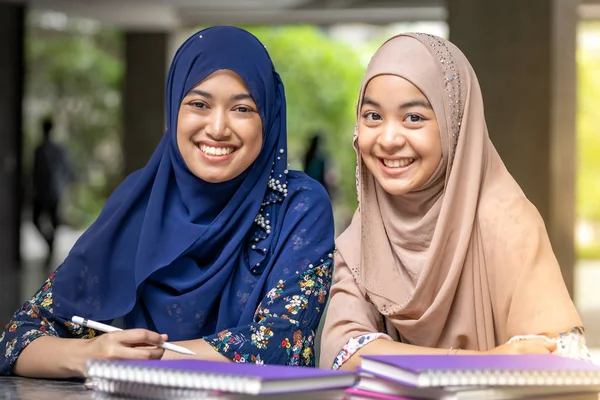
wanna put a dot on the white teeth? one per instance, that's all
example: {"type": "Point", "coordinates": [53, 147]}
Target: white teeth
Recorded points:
{"type": "Point", "coordinates": [405, 162]}
{"type": "Point", "coordinates": [216, 151]}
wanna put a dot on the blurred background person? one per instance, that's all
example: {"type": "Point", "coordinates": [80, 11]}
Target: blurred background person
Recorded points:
{"type": "Point", "coordinates": [51, 175]}
{"type": "Point", "coordinates": [317, 166]}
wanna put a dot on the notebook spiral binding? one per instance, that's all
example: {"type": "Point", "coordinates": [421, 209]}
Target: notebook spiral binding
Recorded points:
{"type": "Point", "coordinates": [104, 373]}
{"type": "Point", "coordinates": [126, 390]}
{"type": "Point", "coordinates": [508, 378]}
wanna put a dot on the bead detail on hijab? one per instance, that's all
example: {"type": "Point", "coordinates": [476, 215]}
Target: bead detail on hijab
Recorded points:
{"type": "Point", "coordinates": [452, 83]}
{"type": "Point", "coordinates": [277, 192]}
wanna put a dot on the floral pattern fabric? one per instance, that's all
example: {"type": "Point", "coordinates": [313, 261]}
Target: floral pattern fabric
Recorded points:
{"type": "Point", "coordinates": [282, 321]}
{"type": "Point", "coordinates": [281, 333]}
{"type": "Point", "coordinates": [33, 320]}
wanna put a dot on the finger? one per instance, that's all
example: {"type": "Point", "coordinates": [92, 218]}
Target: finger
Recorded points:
{"type": "Point", "coordinates": [541, 347]}
{"type": "Point", "coordinates": [547, 343]}
{"type": "Point", "coordinates": [142, 346]}
{"type": "Point", "coordinates": [550, 335]}
{"type": "Point", "coordinates": [133, 336]}
{"type": "Point", "coordinates": [136, 353]}
{"type": "Point", "coordinates": [164, 337]}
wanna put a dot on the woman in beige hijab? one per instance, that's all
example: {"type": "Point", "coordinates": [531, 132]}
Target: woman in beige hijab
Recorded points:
{"type": "Point", "coordinates": [445, 254]}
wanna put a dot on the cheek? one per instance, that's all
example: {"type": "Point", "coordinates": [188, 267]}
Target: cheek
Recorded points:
{"type": "Point", "coordinates": [252, 136]}
{"type": "Point", "coordinates": [184, 126]}
{"type": "Point", "coordinates": [364, 143]}
{"type": "Point", "coordinates": [428, 144]}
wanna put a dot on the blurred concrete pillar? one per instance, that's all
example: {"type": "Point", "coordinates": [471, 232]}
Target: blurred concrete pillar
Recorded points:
{"type": "Point", "coordinates": [12, 22]}
{"type": "Point", "coordinates": [143, 95]}
{"type": "Point", "coordinates": [524, 56]}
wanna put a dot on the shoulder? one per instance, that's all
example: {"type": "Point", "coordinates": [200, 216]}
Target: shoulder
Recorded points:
{"type": "Point", "coordinates": [303, 189]}
{"type": "Point", "coordinates": [298, 182]}
{"type": "Point", "coordinates": [508, 220]}
{"type": "Point", "coordinates": [306, 201]}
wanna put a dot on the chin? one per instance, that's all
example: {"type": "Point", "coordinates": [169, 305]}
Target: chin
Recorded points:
{"type": "Point", "coordinates": [395, 190]}
{"type": "Point", "coordinates": [210, 178]}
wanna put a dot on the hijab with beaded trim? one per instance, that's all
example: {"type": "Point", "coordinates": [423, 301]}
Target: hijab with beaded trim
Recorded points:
{"type": "Point", "coordinates": [463, 262]}
{"type": "Point", "coordinates": [170, 252]}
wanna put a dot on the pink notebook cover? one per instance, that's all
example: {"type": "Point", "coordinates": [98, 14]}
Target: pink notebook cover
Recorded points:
{"type": "Point", "coordinates": [374, 395]}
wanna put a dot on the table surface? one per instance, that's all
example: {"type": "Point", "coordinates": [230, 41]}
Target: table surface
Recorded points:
{"type": "Point", "coordinates": [14, 388]}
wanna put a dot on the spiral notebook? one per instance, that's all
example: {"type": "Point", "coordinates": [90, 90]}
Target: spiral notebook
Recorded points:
{"type": "Point", "coordinates": [483, 370]}
{"type": "Point", "coordinates": [205, 379]}
{"type": "Point", "coordinates": [370, 387]}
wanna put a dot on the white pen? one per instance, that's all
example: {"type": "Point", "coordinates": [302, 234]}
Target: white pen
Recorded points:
{"type": "Point", "coordinates": [107, 328]}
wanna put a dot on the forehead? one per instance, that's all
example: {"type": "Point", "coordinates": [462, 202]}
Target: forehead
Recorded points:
{"type": "Point", "coordinates": [221, 82]}
{"type": "Point", "coordinates": [390, 85]}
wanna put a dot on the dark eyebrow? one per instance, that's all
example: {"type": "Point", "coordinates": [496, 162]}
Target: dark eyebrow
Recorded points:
{"type": "Point", "coordinates": [408, 104]}
{"type": "Point", "coordinates": [202, 93]}
{"type": "Point", "coordinates": [417, 103]}
{"type": "Point", "coordinates": [369, 101]}
{"type": "Point", "coordinates": [241, 96]}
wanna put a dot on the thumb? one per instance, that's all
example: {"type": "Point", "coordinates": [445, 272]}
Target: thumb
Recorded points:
{"type": "Point", "coordinates": [551, 346]}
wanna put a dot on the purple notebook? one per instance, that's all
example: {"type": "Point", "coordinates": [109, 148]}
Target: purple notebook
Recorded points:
{"type": "Point", "coordinates": [482, 370]}
{"type": "Point", "coordinates": [220, 376]}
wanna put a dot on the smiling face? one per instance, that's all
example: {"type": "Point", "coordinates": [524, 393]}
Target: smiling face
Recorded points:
{"type": "Point", "coordinates": [219, 129]}
{"type": "Point", "coordinates": [398, 135]}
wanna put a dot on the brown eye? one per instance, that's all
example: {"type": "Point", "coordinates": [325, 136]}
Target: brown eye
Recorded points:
{"type": "Point", "coordinates": [198, 104]}
{"type": "Point", "coordinates": [413, 118]}
{"type": "Point", "coordinates": [372, 116]}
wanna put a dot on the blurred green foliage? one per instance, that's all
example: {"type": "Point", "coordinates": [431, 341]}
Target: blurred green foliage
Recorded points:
{"type": "Point", "coordinates": [75, 74]}
{"type": "Point", "coordinates": [322, 77]}
{"type": "Point", "coordinates": [588, 134]}
{"type": "Point", "coordinates": [588, 120]}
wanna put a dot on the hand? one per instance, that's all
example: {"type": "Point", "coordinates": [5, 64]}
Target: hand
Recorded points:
{"type": "Point", "coordinates": [129, 344]}
{"type": "Point", "coordinates": [528, 346]}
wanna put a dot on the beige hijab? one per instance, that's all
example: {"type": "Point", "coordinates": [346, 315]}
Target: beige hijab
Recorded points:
{"type": "Point", "coordinates": [464, 262]}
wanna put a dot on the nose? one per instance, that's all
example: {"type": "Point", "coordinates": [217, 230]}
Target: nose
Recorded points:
{"type": "Point", "coordinates": [392, 137]}
{"type": "Point", "coordinates": [217, 126]}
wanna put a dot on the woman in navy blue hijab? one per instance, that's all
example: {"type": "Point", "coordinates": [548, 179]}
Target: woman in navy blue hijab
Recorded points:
{"type": "Point", "coordinates": [214, 243]}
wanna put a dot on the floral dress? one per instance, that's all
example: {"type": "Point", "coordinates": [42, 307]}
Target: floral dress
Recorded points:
{"type": "Point", "coordinates": [280, 323]}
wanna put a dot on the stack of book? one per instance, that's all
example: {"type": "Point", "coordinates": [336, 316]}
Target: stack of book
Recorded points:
{"type": "Point", "coordinates": [465, 377]}
{"type": "Point", "coordinates": [386, 377]}
{"type": "Point", "coordinates": [198, 379]}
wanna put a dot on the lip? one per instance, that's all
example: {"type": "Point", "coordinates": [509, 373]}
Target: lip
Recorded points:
{"type": "Point", "coordinates": [214, 158]}
{"type": "Point", "coordinates": [395, 171]}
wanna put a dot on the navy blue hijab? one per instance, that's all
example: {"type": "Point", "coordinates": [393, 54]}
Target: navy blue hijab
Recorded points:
{"type": "Point", "coordinates": [169, 252]}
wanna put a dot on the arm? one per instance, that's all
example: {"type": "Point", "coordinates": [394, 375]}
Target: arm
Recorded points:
{"type": "Point", "coordinates": [527, 290]}
{"type": "Point", "coordinates": [51, 357]}
{"type": "Point", "coordinates": [283, 331]}
{"type": "Point", "coordinates": [36, 343]}
{"type": "Point", "coordinates": [353, 326]}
